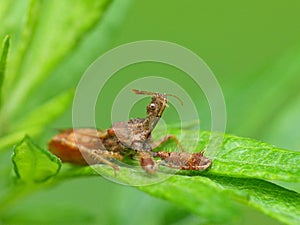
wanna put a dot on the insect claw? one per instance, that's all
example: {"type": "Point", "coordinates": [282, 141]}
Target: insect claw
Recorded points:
{"type": "Point", "coordinates": [158, 162]}
{"type": "Point", "coordinates": [147, 162]}
{"type": "Point", "coordinates": [116, 170]}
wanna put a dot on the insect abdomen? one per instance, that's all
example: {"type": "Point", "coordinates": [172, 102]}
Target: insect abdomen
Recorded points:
{"type": "Point", "coordinates": [185, 160]}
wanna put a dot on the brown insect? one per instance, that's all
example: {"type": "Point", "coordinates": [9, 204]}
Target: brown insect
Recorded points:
{"type": "Point", "coordinates": [126, 139]}
{"type": "Point", "coordinates": [184, 160]}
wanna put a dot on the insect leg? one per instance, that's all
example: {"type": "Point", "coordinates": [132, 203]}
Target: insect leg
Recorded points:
{"type": "Point", "coordinates": [165, 139]}
{"type": "Point", "coordinates": [184, 160]}
{"type": "Point", "coordinates": [96, 156]}
{"type": "Point", "coordinates": [147, 162]}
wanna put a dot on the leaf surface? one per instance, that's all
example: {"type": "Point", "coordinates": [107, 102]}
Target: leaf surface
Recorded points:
{"type": "Point", "coordinates": [242, 157]}
{"type": "Point", "coordinates": [33, 164]}
{"type": "Point", "coordinates": [231, 179]}
{"type": "Point", "coordinates": [196, 193]}
{"type": "Point", "coordinates": [56, 34]}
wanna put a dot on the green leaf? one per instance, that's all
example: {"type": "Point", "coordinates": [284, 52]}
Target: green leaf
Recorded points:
{"type": "Point", "coordinates": [230, 180]}
{"type": "Point", "coordinates": [45, 113]}
{"type": "Point", "coordinates": [196, 193]}
{"type": "Point", "coordinates": [3, 59]}
{"type": "Point", "coordinates": [198, 198]}
{"type": "Point", "coordinates": [245, 157]}
{"type": "Point", "coordinates": [99, 40]}
{"type": "Point", "coordinates": [199, 195]}
{"type": "Point", "coordinates": [207, 196]}
{"type": "Point", "coordinates": [25, 41]}
{"type": "Point", "coordinates": [33, 164]}
{"type": "Point", "coordinates": [49, 47]}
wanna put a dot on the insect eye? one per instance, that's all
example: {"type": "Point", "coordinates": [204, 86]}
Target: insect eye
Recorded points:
{"type": "Point", "coordinates": [152, 106]}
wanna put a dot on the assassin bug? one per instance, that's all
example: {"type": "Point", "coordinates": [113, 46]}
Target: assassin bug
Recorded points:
{"type": "Point", "coordinates": [132, 138]}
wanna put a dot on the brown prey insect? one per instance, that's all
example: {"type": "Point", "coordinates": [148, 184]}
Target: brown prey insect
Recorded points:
{"type": "Point", "coordinates": [132, 138]}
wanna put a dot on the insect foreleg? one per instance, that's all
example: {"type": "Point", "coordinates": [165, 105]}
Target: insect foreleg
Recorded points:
{"type": "Point", "coordinates": [165, 139]}
{"type": "Point", "coordinates": [96, 156]}
{"type": "Point", "coordinates": [147, 162]}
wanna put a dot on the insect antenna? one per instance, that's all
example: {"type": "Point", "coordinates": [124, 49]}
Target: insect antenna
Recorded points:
{"type": "Point", "coordinates": [175, 96]}
{"type": "Point", "coordinates": [139, 92]}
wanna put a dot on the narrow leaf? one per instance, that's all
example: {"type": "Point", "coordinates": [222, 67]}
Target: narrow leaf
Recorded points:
{"type": "Point", "coordinates": [3, 59]}
{"type": "Point", "coordinates": [239, 160]}
{"type": "Point", "coordinates": [45, 113]}
{"type": "Point", "coordinates": [33, 164]}
{"type": "Point", "coordinates": [207, 196]}
{"type": "Point", "coordinates": [48, 47]}
{"type": "Point", "coordinates": [196, 193]}
{"type": "Point", "coordinates": [245, 157]}
{"type": "Point", "coordinates": [202, 198]}
{"type": "Point", "coordinates": [269, 198]}
{"type": "Point", "coordinates": [25, 41]}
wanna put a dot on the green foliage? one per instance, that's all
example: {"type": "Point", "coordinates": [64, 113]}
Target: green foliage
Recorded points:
{"type": "Point", "coordinates": [46, 47]}
{"type": "Point", "coordinates": [41, 45]}
{"type": "Point", "coordinates": [210, 196]}
{"type": "Point", "coordinates": [204, 193]}
{"type": "Point", "coordinates": [245, 157]}
{"type": "Point", "coordinates": [3, 59]}
{"type": "Point", "coordinates": [44, 36]}
{"type": "Point", "coordinates": [33, 164]}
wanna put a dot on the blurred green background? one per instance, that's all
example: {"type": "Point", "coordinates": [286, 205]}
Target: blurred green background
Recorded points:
{"type": "Point", "coordinates": [253, 50]}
